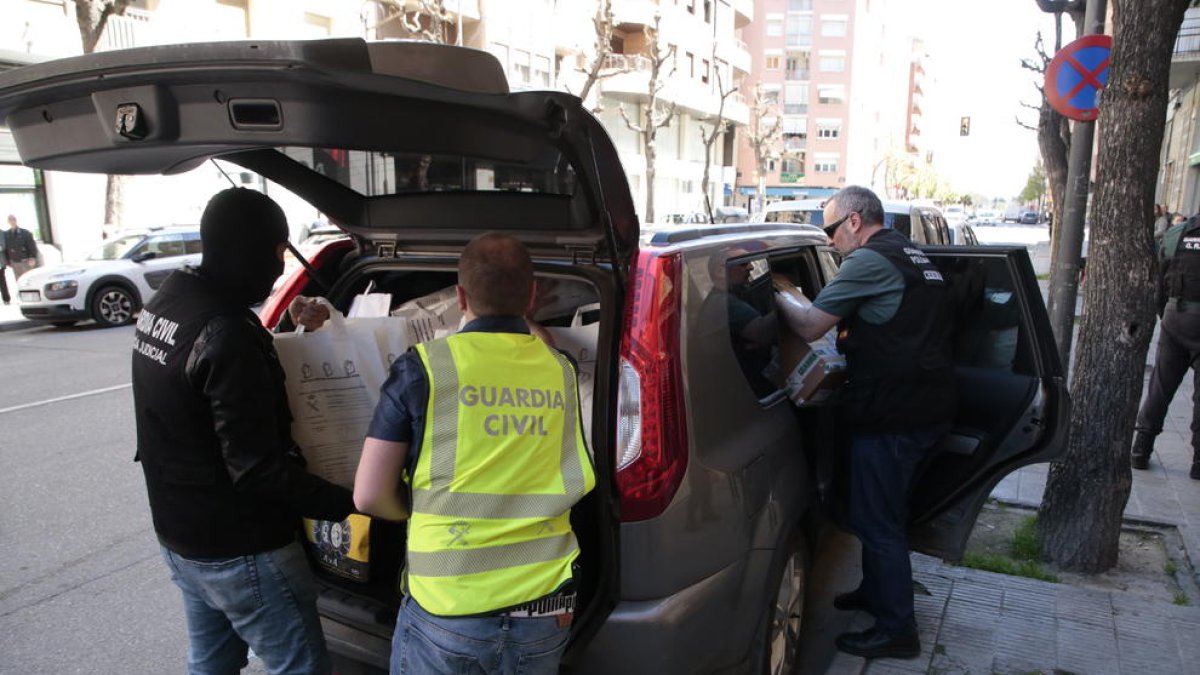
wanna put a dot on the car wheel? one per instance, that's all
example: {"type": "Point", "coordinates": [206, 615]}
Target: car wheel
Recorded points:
{"type": "Point", "coordinates": [113, 306]}
{"type": "Point", "coordinates": [778, 636]}
{"type": "Point", "coordinates": [62, 324]}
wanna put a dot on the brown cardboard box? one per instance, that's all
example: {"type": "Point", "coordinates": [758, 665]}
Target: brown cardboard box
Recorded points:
{"type": "Point", "coordinates": [809, 372]}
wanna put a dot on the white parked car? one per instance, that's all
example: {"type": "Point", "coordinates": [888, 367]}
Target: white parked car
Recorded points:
{"type": "Point", "coordinates": [112, 283]}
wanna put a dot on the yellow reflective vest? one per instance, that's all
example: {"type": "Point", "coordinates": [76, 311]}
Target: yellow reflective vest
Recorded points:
{"type": "Point", "coordinates": [502, 462]}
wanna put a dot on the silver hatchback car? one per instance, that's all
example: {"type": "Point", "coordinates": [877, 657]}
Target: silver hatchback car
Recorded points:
{"type": "Point", "coordinates": [712, 487]}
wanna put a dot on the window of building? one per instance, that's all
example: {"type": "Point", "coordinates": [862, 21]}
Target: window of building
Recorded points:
{"type": "Point", "coordinates": [799, 29]}
{"type": "Point", "coordinates": [832, 63]}
{"type": "Point", "coordinates": [773, 62]}
{"type": "Point", "coordinates": [792, 166]}
{"type": "Point", "coordinates": [541, 71]}
{"type": "Point", "coordinates": [520, 66]}
{"type": "Point", "coordinates": [831, 94]}
{"type": "Point", "coordinates": [834, 26]}
{"type": "Point", "coordinates": [770, 96]}
{"type": "Point", "coordinates": [825, 165]}
{"type": "Point", "coordinates": [707, 11]}
{"type": "Point", "coordinates": [691, 64]}
{"type": "Point", "coordinates": [691, 6]}
{"type": "Point", "coordinates": [775, 26]}
{"type": "Point", "coordinates": [829, 128]}
{"type": "Point", "coordinates": [800, 5]}
{"type": "Point", "coordinates": [770, 165]}
{"type": "Point", "coordinates": [704, 66]}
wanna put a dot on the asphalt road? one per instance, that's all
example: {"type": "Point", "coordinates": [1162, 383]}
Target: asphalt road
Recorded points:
{"type": "Point", "coordinates": [82, 586]}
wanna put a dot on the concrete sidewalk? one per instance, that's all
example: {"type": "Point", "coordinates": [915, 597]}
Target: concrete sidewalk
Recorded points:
{"type": "Point", "coordinates": [10, 315]}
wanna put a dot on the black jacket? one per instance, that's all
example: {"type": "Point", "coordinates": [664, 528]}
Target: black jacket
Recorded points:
{"type": "Point", "coordinates": [222, 472]}
{"type": "Point", "coordinates": [18, 244]}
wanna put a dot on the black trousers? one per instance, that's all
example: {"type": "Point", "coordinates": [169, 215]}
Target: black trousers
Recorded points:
{"type": "Point", "coordinates": [4, 285]}
{"type": "Point", "coordinates": [1178, 350]}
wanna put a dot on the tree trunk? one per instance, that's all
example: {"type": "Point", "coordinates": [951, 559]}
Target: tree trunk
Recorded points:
{"type": "Point", "coordinates": [650, 157]}
{"type": "Point", "coordinates": [1053, 136]}
{"type": "Point", "coordinates": [1086, 492]}
{"type": "Point", "coordinates": [113, 202]}
{"type": "Point", "coordinates": [92, 17]}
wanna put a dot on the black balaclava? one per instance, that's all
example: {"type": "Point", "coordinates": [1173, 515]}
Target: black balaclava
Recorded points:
{"type": "Point", "coordinates": [241, 231]}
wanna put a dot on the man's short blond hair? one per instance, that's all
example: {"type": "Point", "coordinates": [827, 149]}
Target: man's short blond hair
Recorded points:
{"type": "Point", "coordinates": [497, 274]}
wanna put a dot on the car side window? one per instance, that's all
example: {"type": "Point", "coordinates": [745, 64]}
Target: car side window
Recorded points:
{"type": "Point", "coordinates": [191, 244]}
{"type": "Point", "coordinates": [930, 228]}
{"type": "Point", "coordinates": [990, 329]}
{"type": "Point", "coordinates": [899, 222]}
{"type": "Point", "coordinates": [167, 246]}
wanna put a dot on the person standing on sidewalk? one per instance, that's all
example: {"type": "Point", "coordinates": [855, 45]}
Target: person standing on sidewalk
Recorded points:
{"type": "Point", "coordinates": [225, 480]}
{"type": "Point", "coordinates": [1178, 301]}
{"type": "Point", "coordinates": [20, 250]}
{"type": "Point", "coordinates": [892, 309]}
{"type": "Point", "coordinates": [489, 569]}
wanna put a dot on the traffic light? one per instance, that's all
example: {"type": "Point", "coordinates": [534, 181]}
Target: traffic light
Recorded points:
{"type": "Point", "coordinates": [964, 126]}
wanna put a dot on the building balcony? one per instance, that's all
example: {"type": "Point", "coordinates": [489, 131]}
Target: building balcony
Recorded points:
{"type": "Point", "coordinates": [791, 176]}
{"type": "Point", "coordinates": [743, 12]}
{"type": "Point", "coordinates": [1185, 59]}
{"type": "Point", "coordinates": [795, 144]}
{"type": "Point", "coordinates": [800, 5]}
{"type": "Point", "coordinates": [633, 13]}
{"type": "Point", "coordinates": [802, 74]}
{"type": "Point", "coordinates": [124, 32]}
{"type": "Point", "coordinates": [795, 109]}
{"type": "Point", "coordinates": [693, 96]}
{"type": "Point", "coordinates": [736, 52]}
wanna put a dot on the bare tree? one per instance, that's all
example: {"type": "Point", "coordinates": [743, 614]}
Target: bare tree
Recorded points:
{"type": "Point", "coordinates": [654, 115]}
{"type": "Point", "coordinates": [92, 17]}
{"type": "Point", "coordinates": [1086, 493]}
{"type": "Point", "coordinates": [597, 69]}
{"type": "Point", "coordinates": [429, 20]}
{"type": "Point", "coordinates": [720, 125]}
{"type": "Point", "coordinates": [763, 135]}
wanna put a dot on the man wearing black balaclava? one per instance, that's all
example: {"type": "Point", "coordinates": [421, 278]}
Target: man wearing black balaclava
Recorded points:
{"type": "Point", "coordinates": [224, 478]}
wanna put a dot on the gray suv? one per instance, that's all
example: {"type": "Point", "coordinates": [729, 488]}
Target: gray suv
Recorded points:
{"type": "Point", "coordinates": [712, 487]}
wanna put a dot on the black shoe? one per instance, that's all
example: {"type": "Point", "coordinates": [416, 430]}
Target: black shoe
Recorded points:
{"type": "Point", "coordinates": [875, 644]}
{"type": "Point", "coordinates": [853, 601]}
{"type": "Point", "coordinates": [1143, 446]}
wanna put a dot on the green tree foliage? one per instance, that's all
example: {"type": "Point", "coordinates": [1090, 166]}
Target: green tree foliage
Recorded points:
{"type": "Point", "coordinates": [1035, 186]}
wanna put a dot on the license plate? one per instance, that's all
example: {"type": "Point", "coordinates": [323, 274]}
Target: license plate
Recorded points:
{"type": "Point", "coordinates": [30, 296]}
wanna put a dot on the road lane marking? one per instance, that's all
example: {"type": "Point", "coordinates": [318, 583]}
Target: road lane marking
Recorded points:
{"type": "Point", "coordinates": [60, 399]}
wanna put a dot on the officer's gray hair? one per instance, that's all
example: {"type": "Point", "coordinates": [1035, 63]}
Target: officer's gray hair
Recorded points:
{"type": "Point", "coordinates": [859, 199]}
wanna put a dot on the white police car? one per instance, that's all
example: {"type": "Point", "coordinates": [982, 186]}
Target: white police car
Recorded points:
{"type": "Point", "coordinates": [112, 283]}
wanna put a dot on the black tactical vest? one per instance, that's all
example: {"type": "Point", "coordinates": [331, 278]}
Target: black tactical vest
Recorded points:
{"type": "Point", "coordinates": [1182, 265]}
{"type": "Point", "coordinates": [900, 373]}
{"type": "Point", "coordinates": [195, 508]}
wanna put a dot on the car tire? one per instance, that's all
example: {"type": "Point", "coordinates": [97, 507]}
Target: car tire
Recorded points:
{"type": "Point", "coordinates": [777, 640]}
{"type": "Point", "coordinates": [114, 306]}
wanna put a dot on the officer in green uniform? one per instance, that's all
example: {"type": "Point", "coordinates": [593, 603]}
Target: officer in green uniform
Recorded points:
{"type": "Point", "coordinates": [484, 427]}
{"type": "Point", "coordinates": [1178, 341]}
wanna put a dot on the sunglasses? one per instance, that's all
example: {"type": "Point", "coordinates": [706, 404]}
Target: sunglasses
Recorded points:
{"type": "Point", "coordinates": [832, 227]}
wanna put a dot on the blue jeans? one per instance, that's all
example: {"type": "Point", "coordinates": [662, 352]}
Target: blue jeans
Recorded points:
{"type": "Point", "coordinates": [882, 466]}
{"type": "Point", "coordinates": [266, 601]}
{"type": "Point", "coordinates": [425, 644]}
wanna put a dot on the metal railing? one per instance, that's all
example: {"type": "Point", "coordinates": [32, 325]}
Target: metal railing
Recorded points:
{"type": "Point", "coordinates": [796, 74]}
{"type": "Point", "coordinates": [122, 31]}
{"type": "Point", "coordinates": [626, 62]}
{"type": "Point", "coordinates": [795, 108]}
{"type": "Point", "coordinates": [799, 39]}
{"type": "Point", "coordinates": [1188, 40]}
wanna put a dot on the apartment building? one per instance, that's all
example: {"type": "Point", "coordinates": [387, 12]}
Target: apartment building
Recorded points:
{"type": "Point", "coordinates": [1179, 168]}
{"type": "Point", "coordinates": [842, 85]}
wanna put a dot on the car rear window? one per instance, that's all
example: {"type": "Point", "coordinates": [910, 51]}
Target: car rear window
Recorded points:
{"type": "Point", "coordinates": [384, 173]}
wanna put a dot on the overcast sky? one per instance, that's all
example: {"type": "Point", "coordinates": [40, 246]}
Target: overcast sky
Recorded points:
{"type": "Point", "coordinates": [975, 49]}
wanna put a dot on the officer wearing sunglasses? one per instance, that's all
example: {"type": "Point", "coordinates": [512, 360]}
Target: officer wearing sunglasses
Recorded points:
{"type": "Point", "coordinates": [889, 303]}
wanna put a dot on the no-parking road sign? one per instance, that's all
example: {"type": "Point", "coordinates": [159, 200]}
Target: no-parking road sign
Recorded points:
{"type": "Point", "coordinates": [1076, 75]}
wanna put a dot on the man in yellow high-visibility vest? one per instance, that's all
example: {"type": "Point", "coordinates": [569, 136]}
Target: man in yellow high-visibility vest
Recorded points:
{"type": "Point", "coordinates": [484, 427]}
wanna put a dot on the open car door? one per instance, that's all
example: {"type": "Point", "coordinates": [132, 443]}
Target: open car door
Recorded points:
{"type": "Point", "coordinates": [1013, 403]}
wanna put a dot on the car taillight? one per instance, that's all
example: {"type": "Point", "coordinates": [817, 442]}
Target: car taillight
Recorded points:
{"type": "Point", "coordinates": [652, 447]}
